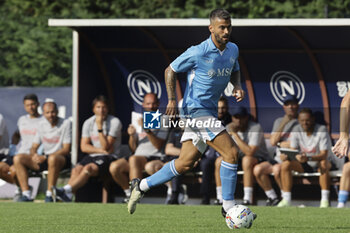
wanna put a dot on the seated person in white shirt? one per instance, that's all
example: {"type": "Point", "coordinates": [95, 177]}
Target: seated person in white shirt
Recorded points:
{"type": "Point", "coordinates": [27, 127]}
{"type": "Point", "coordinates": [4, 148]}
{"type": "Point", "coordinates": [280, 137]}
{"type": "Point", "coordinates": [313, 142]}
{"type": "Point", "coordinates": [101, 139]}
{"type": "Point", "coordinates": [55, 135]}
{"type": "Point", "coordinates": [147, 151]}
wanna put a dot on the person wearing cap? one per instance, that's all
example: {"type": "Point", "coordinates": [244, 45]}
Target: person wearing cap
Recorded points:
{"type": "Point", "coordinates": [313, 143]}
{"type": "Point", "coordinates": [249, 137]}
{"type": "Point", "coordinates": [54, 133]}
{"type": "Point", "coordinates": [280, 136]}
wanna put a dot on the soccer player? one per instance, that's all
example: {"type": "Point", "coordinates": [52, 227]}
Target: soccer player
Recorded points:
{"type": "Point", "coordinates": [209, 66]}
{"type": "Point", "coordinates": [341, 149]}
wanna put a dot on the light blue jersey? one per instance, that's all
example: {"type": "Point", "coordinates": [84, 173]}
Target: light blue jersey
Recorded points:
{"type": "Point", "coordinates": [208, 73]}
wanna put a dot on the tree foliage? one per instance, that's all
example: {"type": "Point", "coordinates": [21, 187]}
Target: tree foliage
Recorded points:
{"type": "Point", "coordinates": [33, 54]}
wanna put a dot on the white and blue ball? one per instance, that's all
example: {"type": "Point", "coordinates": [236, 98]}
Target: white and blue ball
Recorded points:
{"type": "Point", "coordinates": [239, 216]}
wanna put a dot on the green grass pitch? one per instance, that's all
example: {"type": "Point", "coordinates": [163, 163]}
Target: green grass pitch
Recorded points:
{"type": "Point", "coordinates": [74, 217]}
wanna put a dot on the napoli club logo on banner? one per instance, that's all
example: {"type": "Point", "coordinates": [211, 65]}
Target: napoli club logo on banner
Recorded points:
{"type": "Point", "coordinates": [141, 82]}
{"type": "Point", "coordinates": [285, 83]}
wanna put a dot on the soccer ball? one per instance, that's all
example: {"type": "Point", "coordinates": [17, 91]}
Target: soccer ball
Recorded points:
{"type": "Point", "coordinates": [239, 216]}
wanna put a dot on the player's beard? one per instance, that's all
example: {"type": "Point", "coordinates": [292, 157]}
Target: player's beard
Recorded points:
{"type": "Point", "coordinates": [220, 40]}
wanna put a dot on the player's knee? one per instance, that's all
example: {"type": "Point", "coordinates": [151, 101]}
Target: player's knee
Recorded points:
{"type": "Point", "coordinates": [134, 160]}
{"type": "Point", "coordinates": [285, 166]}
{"type": "Point", "coordinates": [51, 160]}
{"type": "Point", "coordinates": [230, 159]}
{"type": "Point", "coordinates": [113, 168]}
{"type": "Point", "coordinates": [324, 166]}
{"type": "Point", "coordinates": [18, 159]}
{"type": "Point", "coordinates": [276, 170]}
{"type": "Point", "coordinates": [149, 168]}
{"type": "Point", "coordinates": [184, 166]}
{"type": "Point", "coordinates": [247, 162]}
{"type": "Point", "coordinates": [230, 156]}
{"type": "Point", "coordinates": [257, 171]}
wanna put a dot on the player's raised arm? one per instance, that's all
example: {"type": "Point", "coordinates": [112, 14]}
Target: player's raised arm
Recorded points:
{"type": "Point", "coordinates": [238, 92]}
{"type": "Point", "coordinates": [170, 82]}
{"type": "Point", "coordinates": [341, 148]}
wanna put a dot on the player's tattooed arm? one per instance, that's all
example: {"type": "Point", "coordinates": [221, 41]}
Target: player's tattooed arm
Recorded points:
{"type": "Point", "coordinates": [238, 92]}
{"type": "Point", "coordinates": [170, 82]}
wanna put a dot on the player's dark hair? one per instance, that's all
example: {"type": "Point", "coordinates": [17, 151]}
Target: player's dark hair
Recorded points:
{"type": "Point", "coordinates": [223, 99]}
{"type": "Point", "coordinates": [306, 110]}
{"type": "Point", "coordinates": [100, 98]}
{"type": "Point", "coordinates": [31, 97]}
{"type": "Point", "coordinates": [219, 13]}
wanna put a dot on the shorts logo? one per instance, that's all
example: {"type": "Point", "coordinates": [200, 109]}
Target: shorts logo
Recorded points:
{"type": "Point", "coordinates": [283, 83]}
{"type": "Point", "coordinates": [151, 120]}
{"type": "Point", "coordinates": [99, 162]}
{"type": "Point", "coordinates": [141, 82]}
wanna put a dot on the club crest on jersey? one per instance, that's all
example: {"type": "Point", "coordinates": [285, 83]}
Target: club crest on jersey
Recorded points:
{"type": "Point", "coordinates": [232, 60]}
{"type": "Point", "coordinates": [211, 73]}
